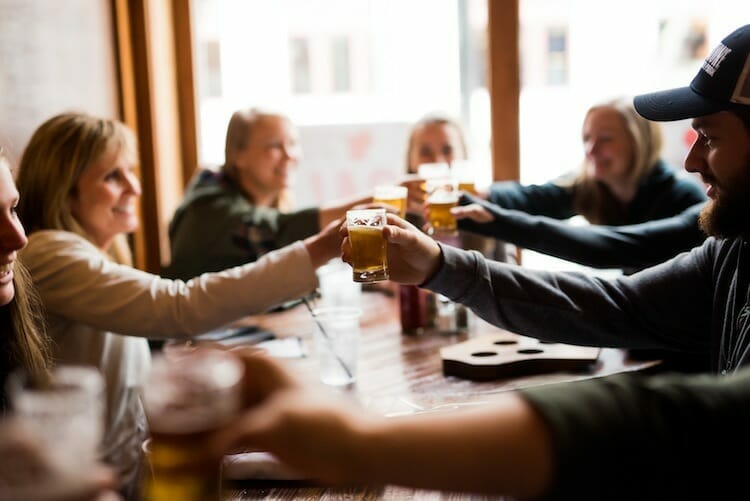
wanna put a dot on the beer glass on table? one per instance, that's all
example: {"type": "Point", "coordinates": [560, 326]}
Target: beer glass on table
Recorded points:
{"type": "Point", "coordinates": [189, 394]}
{"type": "Point", "coordinates": [369, 258]}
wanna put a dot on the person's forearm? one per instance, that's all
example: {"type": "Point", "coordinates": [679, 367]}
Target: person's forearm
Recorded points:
{"type": "Point", "coordinates": [504, 449]}
{"type": "Point", "coordinates": [599, 246]}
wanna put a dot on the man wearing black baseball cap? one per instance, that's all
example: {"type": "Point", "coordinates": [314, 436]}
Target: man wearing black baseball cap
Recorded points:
{"type": "Point", "coordinates": [718, 101]}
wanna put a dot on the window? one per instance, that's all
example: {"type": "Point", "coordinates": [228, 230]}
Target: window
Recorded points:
{"type": "Point", "coordinates": [341, 65]}
{"type": "Point", "coordinates": [575, 53]}
{"type": "Point", "coordinates": [210, 62]}
{"type": "Point", "coordinates": [300, 57]}
{"type": "Point", "coordinates": [353, 75]}
{"type": "Point", "coordinates": [557, 56]}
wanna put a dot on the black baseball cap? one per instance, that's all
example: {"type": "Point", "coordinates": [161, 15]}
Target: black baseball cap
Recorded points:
{"type": "Point", "coordinates": [722, 83]}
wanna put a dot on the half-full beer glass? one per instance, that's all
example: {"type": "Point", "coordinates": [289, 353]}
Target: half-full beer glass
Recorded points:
{"type": "Point", "coordinates": [442, 196]}
{"type": "Point", "coordinates": [369, 258]}
{"type": "Point", "coordinates": [392, 195]}
{"type": "Point", "coordinates": [189, 394]}
{"type": "Point", "coordinates": [464, 173]}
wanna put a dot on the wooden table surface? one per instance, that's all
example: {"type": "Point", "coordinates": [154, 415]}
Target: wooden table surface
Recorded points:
{"type": "Point", "coordinates": [397, 375]}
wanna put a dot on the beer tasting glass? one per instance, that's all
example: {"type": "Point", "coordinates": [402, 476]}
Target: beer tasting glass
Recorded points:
{"type": "Point", "coordinates": [442, 196]}
{"type": "Point", "coordinates": [65, 418]}
{"type": "Point", "coordinates": [392, 195]}
{"type": "Point", "coordinates": [189, 394]}
{"type": "Point", "coordinates": [464, 173]}
{"type": "Point", "coordinates": [369, 258]}
{"type": "Point", "coordinates": [433, 170]}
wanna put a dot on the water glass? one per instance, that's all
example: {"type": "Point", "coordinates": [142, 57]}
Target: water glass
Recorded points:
{"type": "Point", "coordinates": [336, 342]}
{"type": "Point", "coordinates": [336, 285]}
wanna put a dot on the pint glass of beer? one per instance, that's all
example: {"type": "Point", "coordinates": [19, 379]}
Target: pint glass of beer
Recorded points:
{"type": "Point", "coordinates": [442, 196]}
{"type": "Point", "coordinates": [369, 258]}
{"type": "Point", "coordinates": [392, 195]}
{"type": "Point", "coordinates": [464, 174]}
{"type": "Point", "coordinates": [189, 394]}
{"type": "Point", "coordinates": [65, 414]}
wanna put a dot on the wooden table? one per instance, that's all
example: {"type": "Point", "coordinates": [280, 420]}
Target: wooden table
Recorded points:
{"type": "Point", "coordinates": [401, 374]}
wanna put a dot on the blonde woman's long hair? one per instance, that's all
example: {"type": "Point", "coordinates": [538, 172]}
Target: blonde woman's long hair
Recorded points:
{"type": "Point", "coordinates": [24, 342]}
{"type": "Point", "coordinates": [591, 198]}
{"type": "Point", "coordinates": [57, 153]}
{"type": "Point", "coordinates": [238, 137]}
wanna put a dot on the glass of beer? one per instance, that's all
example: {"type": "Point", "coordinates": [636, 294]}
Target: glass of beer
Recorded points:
{"type": "Point", "coordinates": [464, 173]}
{"type": "Point", "coordinates": [189, 394]}
{"type": "Point", "coordinates": [65, 416]}
{"type": "Point", "coordinates": [433, 170]}
{"type": "Point", "coordinates": [442, 196]}
{"type": "Point", "coordinates": [392, 195]}
{"type": "Point", "coordinates": [369, 258]}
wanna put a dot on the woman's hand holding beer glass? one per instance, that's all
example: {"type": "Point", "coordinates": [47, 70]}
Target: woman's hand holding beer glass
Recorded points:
{"type": "Point", "coordinates": [413, 257]}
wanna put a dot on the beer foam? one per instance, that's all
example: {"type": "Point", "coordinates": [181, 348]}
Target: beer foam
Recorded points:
{"type": "Point", "coordinates": [443, 197]}
{"type": "Point", "coordinates": [192, 392]}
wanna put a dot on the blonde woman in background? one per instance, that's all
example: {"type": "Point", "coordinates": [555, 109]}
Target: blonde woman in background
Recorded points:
{"type": "Point", "coordinates": [641, 211]}
{"type": "Point", "coordinates": [438, 138]}
{"type": "Point", "coordinates": [79, 193]}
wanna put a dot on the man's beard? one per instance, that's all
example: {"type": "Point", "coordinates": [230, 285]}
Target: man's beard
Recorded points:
{"type": "Point", "coordinates": [728, 216]}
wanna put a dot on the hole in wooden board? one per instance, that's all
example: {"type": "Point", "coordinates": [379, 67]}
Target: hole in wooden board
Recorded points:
{"type": "Point", "coordinates": [530, 351]}
{"type": "Point", "coordinates": [505, 341]}
{"type": "Point", "coordinates": [484, 354]}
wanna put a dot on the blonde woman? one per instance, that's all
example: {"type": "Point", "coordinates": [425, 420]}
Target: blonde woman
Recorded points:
{"type": "Point", "coordinates": [23, 343]}
{"type": "Point", "coordinates": [245, 209]}
{"type": "Point", "coordinates": [641, 212]}
{"type": "Point", "coordinates": [79, 193]}
{"type": "Point", "coordinates": [439, 138]}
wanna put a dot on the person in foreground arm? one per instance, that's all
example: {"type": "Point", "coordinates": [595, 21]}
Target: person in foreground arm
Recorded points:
{"type": "Point", "coordinates": [244, 210]}
{"type": "Point", "coordinates": [631, 247]}
{"type": "Point", "coordinates": [626, 436]}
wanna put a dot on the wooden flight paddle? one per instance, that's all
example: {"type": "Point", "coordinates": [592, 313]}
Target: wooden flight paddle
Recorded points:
{"type": "Point", "coordinates": [501, 355]}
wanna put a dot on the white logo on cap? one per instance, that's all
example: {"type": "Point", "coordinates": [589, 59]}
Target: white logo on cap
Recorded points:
{"type": "Point", "coordinates": [713, 61]}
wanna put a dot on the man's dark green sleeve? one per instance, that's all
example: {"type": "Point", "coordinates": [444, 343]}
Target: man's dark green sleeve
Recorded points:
{"type": "Point", "coordinates": [648, 437]}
